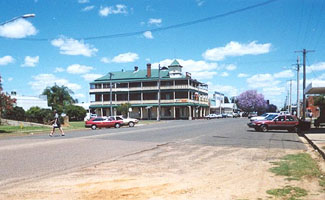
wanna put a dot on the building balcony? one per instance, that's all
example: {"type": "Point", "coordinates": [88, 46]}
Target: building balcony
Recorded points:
{"type": "Point", "coordinates": [163, 101]}
{"type": "Point", "coordinates": [132, 89]}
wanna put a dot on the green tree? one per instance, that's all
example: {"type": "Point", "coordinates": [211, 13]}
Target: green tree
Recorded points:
{"type": "Point", "coordinates": [75, 113]}
{"type": "Point", "coordinates": [123, 109]}
{"type": "Point", "coordinates": [17, 113]}
{"type": "Point", "coordinates": [38, 115]}
{"type": "Point", "coordinates": [6, 103]}
{"type": "Point", "coordinates": [58, 97]}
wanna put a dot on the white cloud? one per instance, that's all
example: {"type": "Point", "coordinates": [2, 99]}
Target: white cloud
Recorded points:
{"type": "Point", "coordinates": [91, 77]}
{"type": "Point", "coordinates": [231, 67]}
{"type": "Point", "coordinates": [284, 74]}
{"type": "Point", "coordinates": [316, 67]}
{"type": "Point", "coordinates": [148, 35]}
{"type": "Point", "coordinates": [204, 75]}
{"type": "Point", "coordinates": [199, 69]}
{"type": "Point", "coordinates": [83, 1]}
{"type": "Point", "coordinates": [79, 95]}
{"type": "Point", "coordinates": [88, 8]}
{"type": "Point", "coordinates": [10, 79]}
{"type": "Point", "coordinates": [153, 21]}
{"type": "Point", "coordinates": [19, 28]}
{"type": "Point", "coordinates": [30, 61]}
{"type": "Point", "coordinates": [228, 90]}
{"type": "Point", "coordinates": [236, 49]}
{"type": "Point", "coordinates": [242, 75]}
{"type": "Point", "coordinates": [105, 60]}
{"type": "Point", "coordinates": [5, 60]}
{"type": "Point", "coordinates": [79, 69]}
{"type": "Point", "coordinates": [262, 80]}
{"type": "Point", "coordinates": [70, 46]}
{"type": "Point", "coordinates": [118, 9]}
{"type": "Point", "coordinates": [224, 74]}
{"type": "Point", "coordinates": [125, 57]}
{"type": "Point", "coordinates": [59, 69]}
{"type": "Point", "coordinates": [273, 91]}
{"type": "Point", "coordinates": [41, 81]}
{"type": "Point", "coordinates": [200, 2]}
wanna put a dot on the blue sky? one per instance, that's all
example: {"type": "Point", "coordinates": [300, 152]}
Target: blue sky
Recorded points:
{"type": "Point", "coordinates": [252, 49]}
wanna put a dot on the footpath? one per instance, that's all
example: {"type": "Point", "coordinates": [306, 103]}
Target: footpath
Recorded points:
{"type": "Point", "coordinates": [316, 137]}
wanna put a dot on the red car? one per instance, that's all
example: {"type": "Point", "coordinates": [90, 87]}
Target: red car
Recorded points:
{"type": "Point", "coordinates": [281, 122]}
{"type": "Point", "coordinates": [100, 122]}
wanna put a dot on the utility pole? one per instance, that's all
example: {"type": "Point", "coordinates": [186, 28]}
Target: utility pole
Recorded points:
{"type": "Point", "coordinates": [298, 102]}
{"type": "Point", "coordinates": [290, 102]}
{"type": "Point", "coordinates": [159, 106]}
{"type": "Point", "coordinates": [304, 52]}
{"type": "Point", "coordinates": [110, 93]}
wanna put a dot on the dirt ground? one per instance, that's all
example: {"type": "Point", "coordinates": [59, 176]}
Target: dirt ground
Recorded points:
{"type": "Point", "coordinates": [173, 171]}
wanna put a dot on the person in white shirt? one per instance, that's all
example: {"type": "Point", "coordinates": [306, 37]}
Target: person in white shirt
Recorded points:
{"type": "Point", "coordinates": [56, 124]}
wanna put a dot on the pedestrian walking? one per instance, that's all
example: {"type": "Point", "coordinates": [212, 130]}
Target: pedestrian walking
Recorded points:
{"type": "Point", "coordinates": [56, 124]}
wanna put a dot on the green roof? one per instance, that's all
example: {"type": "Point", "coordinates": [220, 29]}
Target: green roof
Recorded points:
{"type": "Point", "coordinates": [175, 63]}
{"type": "Point", "coordinates": [130, 74]}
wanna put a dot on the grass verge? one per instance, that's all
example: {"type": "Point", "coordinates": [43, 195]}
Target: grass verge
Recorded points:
{"type": "Point", "coordinates": [296, 167]}
{"type": "Point", "coordinates": [18, 130]}
{"type": "Point", "coordinates": [288, 192]}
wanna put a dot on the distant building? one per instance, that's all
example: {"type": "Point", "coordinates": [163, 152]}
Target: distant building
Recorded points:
{"type": "Point", "coordinates": [218, 105]}
{"type": "Point", "coordinates": [182, 97]}
{"type": "Point", "coordinates": [26, 102]}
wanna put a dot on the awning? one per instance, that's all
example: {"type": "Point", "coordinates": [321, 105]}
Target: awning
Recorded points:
{"type": "Point", "coordinates": [315, 88]}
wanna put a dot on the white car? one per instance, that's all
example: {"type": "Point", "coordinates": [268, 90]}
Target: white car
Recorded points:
{"type": "Point", "coordinates": [262, 117]}
{"type": "Point", "coordinates": [211, 116]}
{"type": "Point", "coordinates": [126, 121]}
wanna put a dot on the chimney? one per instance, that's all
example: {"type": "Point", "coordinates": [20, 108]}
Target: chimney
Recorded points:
{"type": "Point", "coordinates": [148, 70]}
{"type": "Point", "coordinates": [136, 68]}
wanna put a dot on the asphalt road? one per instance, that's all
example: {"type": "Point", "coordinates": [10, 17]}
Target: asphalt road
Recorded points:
{"type": "Point", "coordinates": [22, 158]}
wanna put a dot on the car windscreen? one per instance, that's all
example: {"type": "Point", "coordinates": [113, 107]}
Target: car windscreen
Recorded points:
{"type": "Point", "coordinates": [264, 115]}
{"type": "Point", "coordinates": [270, 117]}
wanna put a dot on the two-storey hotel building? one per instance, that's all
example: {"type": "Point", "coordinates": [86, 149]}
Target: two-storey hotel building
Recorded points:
{"type": "Point", "coordinates": [181, 97]}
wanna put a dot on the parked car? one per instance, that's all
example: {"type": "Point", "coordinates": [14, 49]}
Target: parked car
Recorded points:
{"type": "Point", "coordinates": [219, 116]}
{"type": "Point", "coordinates": [281, 122]}
{"type": "Point", "coordinates": [211, 116]}
{"type": "Point", "coordinates": [100, 122]}
{"type": "Point", "coordinates": [126, 121]}
{"type": "Point", "coordinates": [252, 114]}
{"type": "Point", "coordinates": [235, 115]}
{"type": "Point", "coordinates": [230, 115]}
{"type": "Point", "coordinates": [263, 116]}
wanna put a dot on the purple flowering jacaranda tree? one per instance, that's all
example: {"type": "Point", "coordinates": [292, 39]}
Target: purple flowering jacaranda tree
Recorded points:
{"type": "Point", "coordinates": [251, 101]}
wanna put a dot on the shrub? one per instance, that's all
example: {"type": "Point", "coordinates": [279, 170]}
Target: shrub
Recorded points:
{"type": "Point", "coordinates": [75, 113]}
{"type": "Point", "coordinates": [17, 113]}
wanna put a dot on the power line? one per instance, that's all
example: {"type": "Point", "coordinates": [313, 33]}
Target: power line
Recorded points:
{"type": "Point", "coordinates": [198, 21]}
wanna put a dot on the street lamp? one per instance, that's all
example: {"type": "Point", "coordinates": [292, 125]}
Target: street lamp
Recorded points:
{"type": "Point", "coordinates": [15, 18]}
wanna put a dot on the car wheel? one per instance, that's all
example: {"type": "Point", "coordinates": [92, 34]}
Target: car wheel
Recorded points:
{"type": "Point", "coordinates": [257, 129]}
{"type": "Point", "coordinates": [263, 128]}
{"type": "Point", "coordinates": [131, 124]}
{"type": "Point", "coordinates": [93, 127]}
{"type": "Point", "coordinates": [117, 125]}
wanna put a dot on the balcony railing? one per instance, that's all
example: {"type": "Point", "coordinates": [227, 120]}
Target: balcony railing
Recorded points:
{"type": "Point", "coordinates": [163, 87]}
{"type": "Point", "coordinates": [163, 101]}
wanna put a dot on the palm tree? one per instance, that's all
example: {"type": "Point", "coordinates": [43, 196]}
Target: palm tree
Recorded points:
{"type": "Point", "coordinates": [57, 96]}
